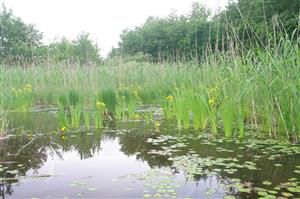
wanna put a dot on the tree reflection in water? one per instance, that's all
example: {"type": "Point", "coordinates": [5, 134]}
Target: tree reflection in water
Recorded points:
{"type": "Point", "coordinates": [132, 138]}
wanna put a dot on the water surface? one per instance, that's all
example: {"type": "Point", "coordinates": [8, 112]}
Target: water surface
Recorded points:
{"type": "Point", "coordinates": [134, 160]}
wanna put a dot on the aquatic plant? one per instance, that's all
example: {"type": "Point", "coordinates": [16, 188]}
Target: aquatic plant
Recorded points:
{"type": "Point", "coordinates": [99, 113]}
{"type": "Point", "coordinates": [225, 93]}
{"type": "Point", "coordinates": [3, 121]}
{"type": "Point", "coordinates": [86, 118]}
{"type": "Point", "coordinates": [75, 114]}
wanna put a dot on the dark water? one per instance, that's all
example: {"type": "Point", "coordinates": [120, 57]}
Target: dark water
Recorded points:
{"type": "Point", "coordinates": [133, 160]}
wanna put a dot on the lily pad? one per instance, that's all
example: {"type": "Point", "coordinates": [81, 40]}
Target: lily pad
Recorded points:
{"type": "Point", "coordinates": [294, 189]}
{"type": "Point", "coordinates": [210, 192]}
{"type": "Point", "coordinates": [92, 189]}
{"type": "Point", "coordinates": [12, 171]}
{"type": "Point", "coordinates": [268, 183]}
{"type": "Point", "coordinates": [147, 195]}
{"type": "Point", "coordinates": [286, 194]}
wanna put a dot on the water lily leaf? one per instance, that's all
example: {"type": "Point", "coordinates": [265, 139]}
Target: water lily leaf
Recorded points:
{"type": "Point", "coordinates": [266, 182]}
{"type": "Point", "coordinates": [229, 197]}
{"type": "Point", "coordinates": [146, 195]}
{"type": "Point", "coordinates": [262, 193]}
{"type": "Point", "coordinates": [157, 195]}
{"type": "Point", "coordinates": [12, 171]}
{"type": "Point", "coordinates": [294, 189]}
{"type": "Point", "coordinates": [286, 194]}
{"type": "Point", "coordinates": [273, 192]}
{"type": "Point", "coordinates": [92, 189]}
{"type": "Point", "coordinates": [210, 191]}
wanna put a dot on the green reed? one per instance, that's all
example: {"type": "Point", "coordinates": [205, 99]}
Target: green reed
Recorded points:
{"type": "Point", "coordinates": [226, 93]}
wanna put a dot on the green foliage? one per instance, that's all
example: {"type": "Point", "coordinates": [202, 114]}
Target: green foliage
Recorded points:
{"type": "Point", "coordinates": [109, 97]}
{"type": "Point", "coordinates": [18, 41]}
{"type": "Point", "coordinates": [242, 25]}
{"type": "Point", "coordinates": [82, 50]}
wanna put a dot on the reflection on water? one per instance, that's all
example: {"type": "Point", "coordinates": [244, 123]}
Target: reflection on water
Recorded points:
{"type": "Point", "coordinates": [131, 160]}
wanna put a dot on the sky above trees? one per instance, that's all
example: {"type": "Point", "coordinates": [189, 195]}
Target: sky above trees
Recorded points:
{"type": "Point", "coordinates": [104, 20]}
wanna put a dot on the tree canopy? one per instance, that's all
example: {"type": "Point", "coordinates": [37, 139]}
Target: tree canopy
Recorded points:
{"type": "Point", "coordinates": [18, 41]}
{"type": "Point", "coordinates": [176, 37]}
{"type": "Point", "coordinates": [194, 35]}
{"type": "Point", "coordinates": [21, 43]}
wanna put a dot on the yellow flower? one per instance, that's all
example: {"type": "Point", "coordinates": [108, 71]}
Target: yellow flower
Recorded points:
{"type": "Point", "coordinates": [28, 88]}
{"type": "Point", "coordinates": [63, 137]}
{"type": "Point", "coordinates": [63, 129]}
{"type": "Point", "coordinates": [157, 124]}
{"type": "Point", "coordinates": [211, 101]}
{"type": "Point", "coordinates": [170, 98]}
{"type": "Point", "coordinates": [136, 116]}
{"type": "Point", "coordinates": [100, 105]}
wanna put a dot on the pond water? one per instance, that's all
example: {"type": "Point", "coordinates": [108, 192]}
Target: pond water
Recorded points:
{"type": "Point", "coordinates": [135, 160]}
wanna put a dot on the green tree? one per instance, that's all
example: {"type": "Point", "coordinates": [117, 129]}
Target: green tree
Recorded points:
{"type": "Point", "coordinates": [18, 41]}
{"type": "Point", "coordinates": [85, 50]}
{"type": "Point", "coordinates": [62, 51]}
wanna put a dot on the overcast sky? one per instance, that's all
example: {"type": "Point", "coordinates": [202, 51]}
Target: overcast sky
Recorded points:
{"type": "Point", "coordinates": [103, 19]}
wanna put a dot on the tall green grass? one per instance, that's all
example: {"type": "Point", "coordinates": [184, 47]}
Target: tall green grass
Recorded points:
{"type": "Point", "coordinates": [229, 92]}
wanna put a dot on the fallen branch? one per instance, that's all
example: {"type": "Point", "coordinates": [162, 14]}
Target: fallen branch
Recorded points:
{"type": "Point", "coordinates": [21, 149]}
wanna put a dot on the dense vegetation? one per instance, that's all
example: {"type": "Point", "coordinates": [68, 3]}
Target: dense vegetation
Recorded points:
{"type": "Point", "coordinates": [21, 44]}
{"type": "Point", "coordinates": [243, 25]}
{"type": "Point", "coordinates": [240, 71]}
{"type": "Point", "coordinates": [227, 93]}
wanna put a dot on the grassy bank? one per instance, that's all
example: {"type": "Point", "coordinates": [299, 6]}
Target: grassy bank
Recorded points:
{"type": "Point", "coordinates": [227, 93]}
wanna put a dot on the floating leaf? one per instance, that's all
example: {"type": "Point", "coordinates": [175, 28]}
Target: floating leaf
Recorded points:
{"type": "Point", "coordinates": [266, 183]}
{"type": "Point", "coordinates": [92, 189]}
{"type": "Point", "coordinates": [128, 189]}
{"type": "Point", "coordinates": [229, 197]}
{"type": "Point", "coordinates": [294, 189]}
{"type": "Point", "coordinates": [146, 195]}
{"type": "Point", "coordinates": [12, 171]}
{"type": "Point", "coordinates": [210, 192]}
{"type": "Point", "coordinates": [286, 194]}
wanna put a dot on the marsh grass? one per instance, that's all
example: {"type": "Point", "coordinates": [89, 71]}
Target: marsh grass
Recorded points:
{"type": "Point", "coordinates": [228, 92]}
{"type": "Point", "coordinates": [3, 121]}
{"type": "Point", "coordinates": [86, 119]}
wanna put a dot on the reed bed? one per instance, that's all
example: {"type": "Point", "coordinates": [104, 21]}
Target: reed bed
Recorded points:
{"type": "Point", "coordinates": [226, 93]}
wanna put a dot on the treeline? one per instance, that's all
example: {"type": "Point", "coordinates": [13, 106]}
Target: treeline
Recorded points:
{"type": "Point", "coordinates": [243, 25]}
{"type": "Point", "coordinates": [21, 44]}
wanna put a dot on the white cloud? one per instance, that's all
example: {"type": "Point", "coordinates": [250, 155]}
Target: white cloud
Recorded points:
{"type": "Point", "coordinates": [103, 19]}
